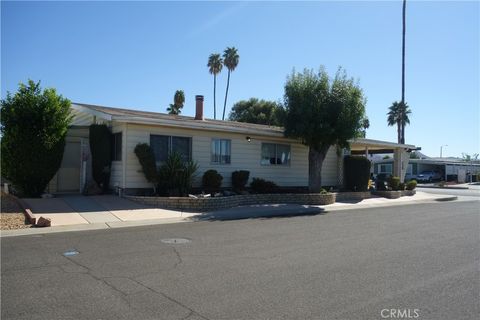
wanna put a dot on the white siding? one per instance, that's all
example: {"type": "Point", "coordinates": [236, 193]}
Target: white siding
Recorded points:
{"type": "Point", "coordinates": [244, 156]}
{"type": "Point", "coordinates": [116, 173]}
{"type": "Point", "coordinates": [329, 168]}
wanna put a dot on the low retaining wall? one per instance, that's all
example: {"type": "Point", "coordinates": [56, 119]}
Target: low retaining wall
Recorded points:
{"type": "Point", "coordinates": [216, 203]}
{"type": "Point", "coordinates": [394, 194]}
{"type": "Point", "coordinates": [353, 196]}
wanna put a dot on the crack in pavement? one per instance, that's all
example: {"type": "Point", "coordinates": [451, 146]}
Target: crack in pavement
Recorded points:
{"type": "Point", "coordinates": [124, 295]}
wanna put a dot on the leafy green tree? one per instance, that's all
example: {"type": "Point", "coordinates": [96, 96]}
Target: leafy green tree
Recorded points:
{"type": "Point", "coordinates": [258, 111]}
{"type": "Point", "coordinates": [34, 124]}
{"type": "Point", "coordinates": [215, 64]}
{"type": "Point", "coordinates": [322, 112]}
{"type": "Point", "coordinates": [398, 115]}
{"type": "Point", "coordinates": [178, 102]}
{"type": "Point", "coordinates": [230, 60]}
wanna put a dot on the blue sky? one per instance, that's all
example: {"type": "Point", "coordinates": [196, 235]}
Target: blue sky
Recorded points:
{"type": "Point", "coordinates": [136, 54]}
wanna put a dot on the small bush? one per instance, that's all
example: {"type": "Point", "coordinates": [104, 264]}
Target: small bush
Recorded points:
{"type": "Point", "coordinates": [357, 173]}
{"type": "Point", "coordinates": [380, 185]}
{"type": "Point", "coordinates": [411, 185]}
{"type": "Point", "coordinates": [323, 191]}
{"type": "Point", "coordinates": [402, 186]}
{"type": "Point", "coordinates": [212, 180]}
{"type": "Point", "coordinates": [259, 185]}
{"type": "Point", "coordinates": [240, 179]}
{"type": "Point", "coordinates": [394, 183]}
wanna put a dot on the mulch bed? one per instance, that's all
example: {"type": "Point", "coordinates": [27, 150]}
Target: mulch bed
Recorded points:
{"type": "Point", "coordinates": [11, 216]}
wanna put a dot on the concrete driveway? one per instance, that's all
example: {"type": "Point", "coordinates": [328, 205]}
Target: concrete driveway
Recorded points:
{"type": "Point", "coordinates": [78, 209]}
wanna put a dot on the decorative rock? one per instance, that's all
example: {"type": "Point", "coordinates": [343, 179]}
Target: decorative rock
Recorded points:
{"type": "Point", "coordinates": [192, 196]}
{"type": "Point", "coordinates": [43, 222]}
{"type": "Point", "coordinates": [47, 196]}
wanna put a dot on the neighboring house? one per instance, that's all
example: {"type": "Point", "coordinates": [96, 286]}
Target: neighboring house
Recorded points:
{"type": "Point", "coordinates": [225, 146]}
{"type": "Point", "coordinates": [450, 169]}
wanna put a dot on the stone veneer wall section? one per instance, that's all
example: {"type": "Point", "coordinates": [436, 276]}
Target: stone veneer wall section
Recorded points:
{"type": "Point", "coordinates": [216, 203]}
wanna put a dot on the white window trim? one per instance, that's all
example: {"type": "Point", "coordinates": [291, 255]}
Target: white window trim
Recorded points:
{"type": "Point", "coordinates": [211, 155]}
{"type": "Point", "coordinates": [289, 164]}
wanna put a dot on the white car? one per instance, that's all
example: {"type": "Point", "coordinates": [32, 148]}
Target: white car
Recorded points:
{"type": "Point", "coordinates": [429, 176]}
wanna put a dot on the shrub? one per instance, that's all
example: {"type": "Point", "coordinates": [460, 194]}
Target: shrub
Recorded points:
{"type": "Point", "coordinates": [146, 158]}
{"type": "Point", "coordinates": [100, 148]}
{"type": "Point", "coordinates": [394, 183]}
{"type": "Point", "coordinates": [240, 179]}
{"type": "Point", "coordinates": [357, 173]}
{"type": "Point", "coordinates": [411, 185]}
{"type": "Point", "coordinates": [259, 185]}
{"type": "Point", "coordinates": [323, 191]}
{"type": "Point", "coordinates": [402, 186]}
{"type": "Point", "coordinates": [176, 176]}
{"type": "Point", "coordinates": [212, 180]}
{"type": "Point", "coordinates": [34, 124]}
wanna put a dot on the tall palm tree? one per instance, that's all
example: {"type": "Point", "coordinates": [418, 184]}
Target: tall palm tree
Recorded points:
{"type": "Point", "coordinates": [230, 60]}
{"type": "Point", "coordinates": [215, 64]}
{"type": "Point", "coordinates": [398, 115]}
{"type": "Point", "coordinates": [404, 107]}
{"type": "Point", "coordinates": [403, 50]}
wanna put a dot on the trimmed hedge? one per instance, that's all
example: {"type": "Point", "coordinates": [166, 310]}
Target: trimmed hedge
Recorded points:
{"type": "Point", "coordinates": [394, 183]}
{"type": "Point", "coordinates": [357, 173]}
{"type": "Point", "coordinates": [259, 185]}
{"type": "Point", "coordinates": [240, 179]}
{"type": "Point", "coordinates": [212, 180]}
{"type": "Point", "coordinates": [411, 185]}
{"type": "Point", "coordinates": [146, 158]}
{"type": "Point", "coordinates": [100, 147]}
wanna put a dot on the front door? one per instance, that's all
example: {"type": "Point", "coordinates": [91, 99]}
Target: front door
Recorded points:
{"type": "Point", "coordinates": [69, 172]}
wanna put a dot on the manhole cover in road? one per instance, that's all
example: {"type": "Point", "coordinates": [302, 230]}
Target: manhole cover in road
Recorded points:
{"type": "Point", "coordinates": [176, 240]}
{"type": "Point", "coordinates": [70, 253]}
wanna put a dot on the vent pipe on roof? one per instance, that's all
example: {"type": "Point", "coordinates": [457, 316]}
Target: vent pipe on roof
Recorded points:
{"type": "Point", "coordinates": [199, 107]}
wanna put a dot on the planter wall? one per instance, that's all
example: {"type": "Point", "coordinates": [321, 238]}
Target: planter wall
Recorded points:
{"type": "Point", "coordinates": [388, 194]}
{"type": "Point", "coordinates": [216, 203]}
{"type": "Point", "coordinates": [353, 196]}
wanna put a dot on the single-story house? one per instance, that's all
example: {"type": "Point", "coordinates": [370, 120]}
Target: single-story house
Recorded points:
{"type": "Point", "coordinates": [450, 169]}
{"type": "Point", "coordinates": [225, 146]}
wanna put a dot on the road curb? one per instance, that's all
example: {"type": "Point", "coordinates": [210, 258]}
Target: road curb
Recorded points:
{"type": "Point", "coordinates": [438, 187]}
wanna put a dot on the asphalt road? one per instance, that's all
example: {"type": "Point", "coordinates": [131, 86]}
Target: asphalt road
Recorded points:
{"type": "Point", "coordinates": [420, 259]}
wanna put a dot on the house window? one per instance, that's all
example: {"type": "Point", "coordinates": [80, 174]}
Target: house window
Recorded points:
{"type": "Point", "coordinates": [275, 154]}
{"type": "Point", "coordinates": [117, 146]}
{"type": "Point", "coordinates": [385, 168]}
{"type": "Point", "coordinates": [162, 146]}
{"type": "Point", "coordinates": [221, 151]}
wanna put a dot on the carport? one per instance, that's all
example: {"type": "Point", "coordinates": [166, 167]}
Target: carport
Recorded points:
{"type": "Point", "coordinates": [401, 152]}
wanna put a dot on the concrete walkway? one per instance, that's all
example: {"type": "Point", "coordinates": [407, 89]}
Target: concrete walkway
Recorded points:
{"type": "Point", "coordinates": [77, 213]}
{"type": "Point", "coordinates": [78, 209]}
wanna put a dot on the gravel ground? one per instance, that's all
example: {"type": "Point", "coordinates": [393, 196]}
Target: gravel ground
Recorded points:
{"type": "Point", "coordinates": [11, 216]}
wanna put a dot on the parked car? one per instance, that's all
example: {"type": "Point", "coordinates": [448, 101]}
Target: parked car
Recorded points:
{"type": "Point", "coordinates": [409, 177]}
{"type": "Point", "coordinates": [429, 176]}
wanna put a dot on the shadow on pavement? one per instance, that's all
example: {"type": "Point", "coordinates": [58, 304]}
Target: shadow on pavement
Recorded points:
{"type": "Point", "coordinates": [264, 211]}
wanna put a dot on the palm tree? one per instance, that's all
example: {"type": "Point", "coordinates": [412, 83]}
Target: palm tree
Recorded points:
{"type": "Point", "coordinates": [398, 115]}
{"type": "Point", "coordinates": [178, 102]}
{"type": "Point", "coordinates": [215, 64]}
{"type": "Point", "coordinates": [230, 60]}
{"type": "Point", "coordinates": [403, 50]}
